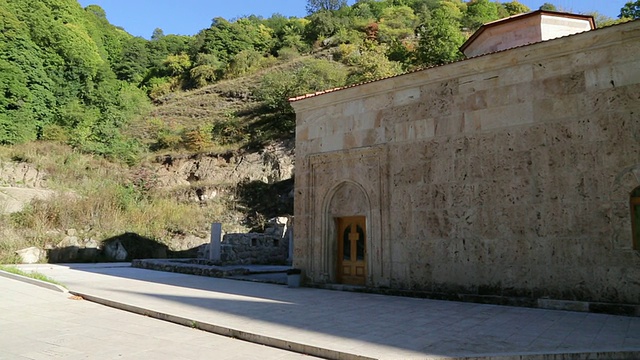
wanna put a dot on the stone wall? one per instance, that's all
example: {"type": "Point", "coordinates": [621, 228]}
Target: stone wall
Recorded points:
{"type": "Point", "coordinates": [507, 174]}
{"type": "Point", "coordinates": [270, 247]}
{"type": "Point", "coordinates": [254, 248]}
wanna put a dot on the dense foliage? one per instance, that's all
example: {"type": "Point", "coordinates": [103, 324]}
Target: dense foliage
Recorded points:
{"type": "Point", "coordinates": [630, 10]}
{"type": "Point", "coordinates": [67, 74]}
{"type": "Point", "coordinates": [57, 78]}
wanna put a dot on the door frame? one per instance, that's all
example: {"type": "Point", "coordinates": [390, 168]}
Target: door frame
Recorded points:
{"type": "Point", "coordinates": [355, 265]}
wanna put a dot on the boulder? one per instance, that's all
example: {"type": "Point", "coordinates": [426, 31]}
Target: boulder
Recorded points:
{"type": "Point", "coordinates": [116, 251]}
{"type": "Point", "coordinates": [30, 255]}
{"type": "Point", "coordinates": [69, 241]}
{"type": "Point", "coordinates": [91, 244]}
{"type": "Point", "coordinates": [66, 250]}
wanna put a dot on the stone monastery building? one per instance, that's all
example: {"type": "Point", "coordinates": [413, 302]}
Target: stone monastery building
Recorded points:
{"type": "Point", "coordinates": [510, 177]}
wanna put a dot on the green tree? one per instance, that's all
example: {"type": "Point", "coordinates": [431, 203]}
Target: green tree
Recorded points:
{"type": "Point", "coordinates": [314, 6]}
{"type": "Point", "coordinates": [97, 11]}
{"type": "Point", "coordinates": [371, 63]}
{"type": "Point", "coordinates": [440, 39]}
{"type": "Point", "coordinates": [177, 65]}
{"type": "Point", "coordinates": [480, 12]}
{"type": "Point", "coordinates": [157, 34]}
{"type": "Point", "coordinates": [397, 23]}
{"type": "Point", "coordinates": [323, 24]}
{"type": "Point", "coordinates": [244, 62]}
{"type": "Point", "coordinates": [107, 37]}
{"type": "Point", "coordinates": [162, 46]}
{"type": "Point", "coordinates": [27, 99]}
{"type": "Point", "coordinates": [57, 79]}
{"type": "Point", "coordinates": [515, 8]}
{"type": "Point", "coordinates": [548, 7]}
{"type": "Point", "coordinates": [630, 10]}
{"type": "Point", "coordinates": [16, 122]}
{"type": "Point", "coordinates": [602, 20]}
{"type": "Point", "coordinates": [225, 39]}
{"type": "Point", "coordinates": [133, 61]}
{"type": "Point", "coordinates": [369, 8]}
{"type": "Point", "coordinates": [207, 69]}
{"type": "Point", "coordinates": [309, 76]}
{"type": "Point", "coordinates": [288, 33]}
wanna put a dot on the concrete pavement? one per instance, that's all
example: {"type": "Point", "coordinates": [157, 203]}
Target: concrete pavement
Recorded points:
{"type": "Point", "coordinates": [347, 325]}
{"type": "Point", "coordinates": [37, 323]}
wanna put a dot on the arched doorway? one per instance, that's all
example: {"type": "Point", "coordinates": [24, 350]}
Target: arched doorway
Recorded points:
{"type": "Point", "coordinates": [346, 239]}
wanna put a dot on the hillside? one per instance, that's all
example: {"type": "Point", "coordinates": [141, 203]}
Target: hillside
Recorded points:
{"type": "Point", "coordinates": [161, 137]}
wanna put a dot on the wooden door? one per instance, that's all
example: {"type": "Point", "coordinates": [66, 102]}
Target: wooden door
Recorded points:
{"type": "Point", "coordinates": [352, 250]}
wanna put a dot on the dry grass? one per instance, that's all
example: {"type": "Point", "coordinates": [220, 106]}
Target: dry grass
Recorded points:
{"type": "Point", "coordinates": [226, 113]}
{"type": "Point", "coordinates": [102, 198]}
{"type": "Point", "coordinates": [98, 198]}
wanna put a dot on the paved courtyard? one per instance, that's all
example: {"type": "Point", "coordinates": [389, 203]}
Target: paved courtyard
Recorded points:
{"type": "Point", "coordinates": [37, 323]}
{"type": "Point", "coordinates": [348, 325]}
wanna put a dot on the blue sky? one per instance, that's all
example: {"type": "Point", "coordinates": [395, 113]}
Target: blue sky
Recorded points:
{"type": "Point", "coordinates": [187, 17]}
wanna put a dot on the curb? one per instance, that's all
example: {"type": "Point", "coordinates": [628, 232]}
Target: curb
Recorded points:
{"type": "Point", "coordinates": [306, 349]}
{"type": "Point", "coordinates": [603, 355]}
{"type": "Point", "coordinates": [228, 332]}
{"type": "Point", "coordinates": [36, 282]}
{"type": "Point", "coordinates": [335, 354]}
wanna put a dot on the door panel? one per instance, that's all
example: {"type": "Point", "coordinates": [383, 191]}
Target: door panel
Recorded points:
{"type": "Point", "coordinates": [352, 250]}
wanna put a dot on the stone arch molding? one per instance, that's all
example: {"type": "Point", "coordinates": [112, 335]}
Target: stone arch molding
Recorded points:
{"type": "Point", "coordinates": [624, 183]}
{"type": "Point", "coordinates": [358, 178]}
{"type": "Point", "coordinates": [346, 198]}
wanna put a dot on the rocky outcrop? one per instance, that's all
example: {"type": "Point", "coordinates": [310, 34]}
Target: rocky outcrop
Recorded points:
{"type": "Point", "coordinates": [20, 183]}
{"type": "Point", "coordinates": [259, 181]}
{"type": "Point", "coordinates": [14, 199]}
{"type": "Point", "coordinates": [21, 174]}
{"type": "Point", "coordinates": [202, 177]}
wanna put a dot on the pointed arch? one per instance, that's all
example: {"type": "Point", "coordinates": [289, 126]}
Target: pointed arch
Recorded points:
{"type": "Point", "coordinates": [344, 199]}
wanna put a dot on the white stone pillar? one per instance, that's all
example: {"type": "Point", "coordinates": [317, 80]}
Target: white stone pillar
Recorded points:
{"type": "Point", "coordinates": [214, 246]}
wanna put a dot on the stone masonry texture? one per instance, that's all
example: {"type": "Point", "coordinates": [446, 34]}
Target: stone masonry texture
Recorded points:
{"type": "Point", "coordinates": [507, 174]}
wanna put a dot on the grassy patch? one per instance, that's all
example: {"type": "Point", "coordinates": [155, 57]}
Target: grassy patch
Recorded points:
{"type": "Point", "coordinates": [102, 199]}
{"type": "Point", "coordinates": [32, 275]}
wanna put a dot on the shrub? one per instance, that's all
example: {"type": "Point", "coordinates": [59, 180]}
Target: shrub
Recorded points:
{"type": "Point", "coordinates": [288, 53]}
{"type": "Point", "coordinates": [309, 76]}
{"type": "Point", "coordinates": [229, 131]}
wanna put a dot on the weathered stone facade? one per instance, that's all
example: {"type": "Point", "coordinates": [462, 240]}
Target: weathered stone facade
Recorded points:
{"type": "Point", "coordinates": [507, 174]}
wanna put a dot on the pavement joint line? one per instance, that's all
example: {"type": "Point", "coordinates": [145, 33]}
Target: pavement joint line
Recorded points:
{"type": "Point", "coordinates": [335, 354]}
{"type": "Point", "coordinates": [632, 354]}
{"type": "Point", "coordinates": [277, 343]}
{"type": "Point", "coordinates": [32, 281]}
